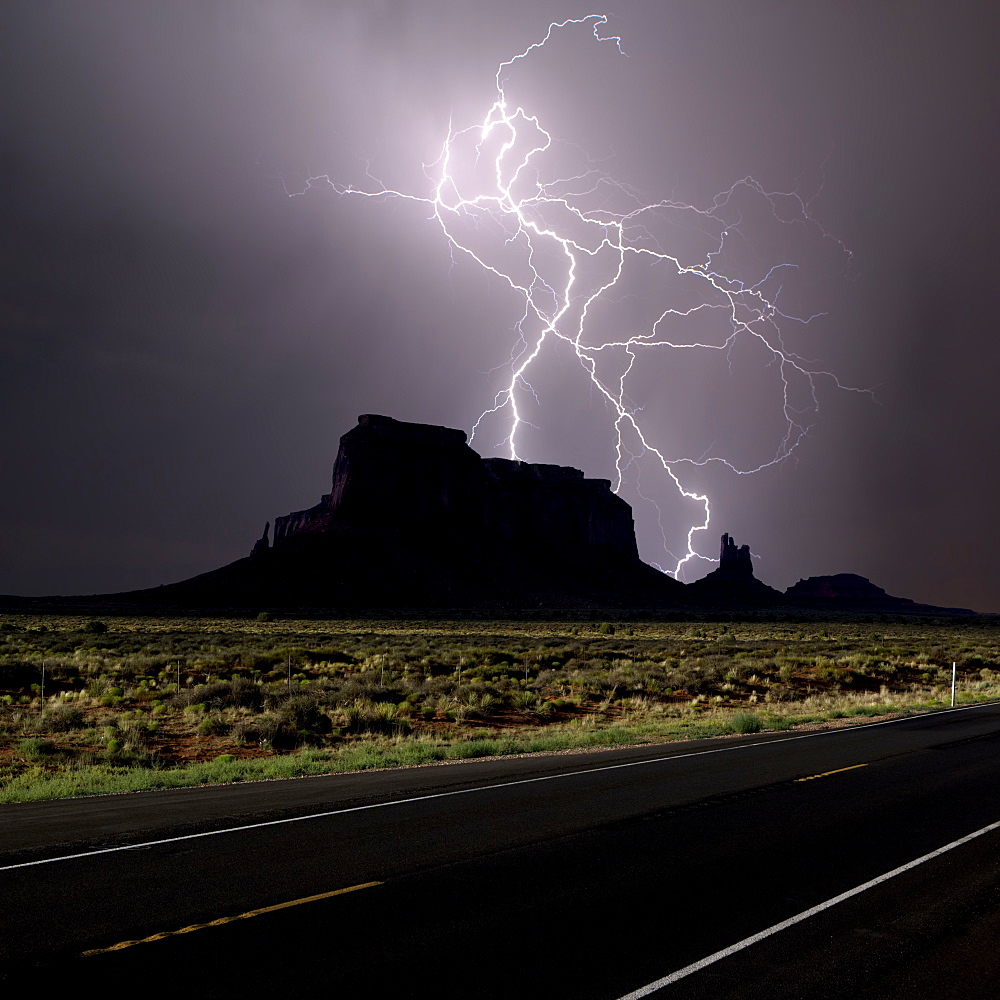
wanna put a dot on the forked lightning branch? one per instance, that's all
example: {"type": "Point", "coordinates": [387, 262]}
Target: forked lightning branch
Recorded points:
{"type": "Point", "coordinates": [565, 240]}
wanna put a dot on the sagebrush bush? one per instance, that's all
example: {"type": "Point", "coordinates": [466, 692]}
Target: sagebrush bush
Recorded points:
{"type": "Point", "coordinates": [303, 712]}
{"type": "Point", "coordinates": [378, 718]}
{"type": "Point", "coordinates": [236, 693]}
{"type": "Point", "coordinates": [213, 725]}
{"type": "Point", "coordinates": [702, 676]}
{"type": "Point", "coordinates": [266, 730]}
{"type": "Point", "coordinates": [62, 719]}
{"type": "Point", "coordinates": [136, 734]}
{"type": "Point", "coordinates": [746, 722]}
{"type": "Point", "coordinates": [34, 748]}
{"type": "Point", "coordinates": [292, 722]}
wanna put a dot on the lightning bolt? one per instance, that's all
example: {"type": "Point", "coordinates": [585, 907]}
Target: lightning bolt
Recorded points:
{"type": "Point", "coordinates": [565, 244]}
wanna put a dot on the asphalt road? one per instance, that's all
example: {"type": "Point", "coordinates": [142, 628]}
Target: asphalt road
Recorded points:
{"type": "Point", "coordinates": [579, 875]}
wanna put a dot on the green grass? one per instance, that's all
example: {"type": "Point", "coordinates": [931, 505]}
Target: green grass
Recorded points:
{"type": "Point", "coordinates": [260, 697]}
{"type": "Point", "coordinates": [39, 783]}
{"type": "Point", "coordinates": [746, 722]}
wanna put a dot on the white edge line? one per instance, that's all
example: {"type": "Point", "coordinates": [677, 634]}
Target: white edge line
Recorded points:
{"type": "Point", "coordinates": [479, 788]}
{"type": "Point", "coordinates": [645, 991]}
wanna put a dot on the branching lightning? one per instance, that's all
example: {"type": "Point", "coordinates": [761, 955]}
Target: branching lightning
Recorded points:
{"type": "Point", "coordinates": [565, 244]}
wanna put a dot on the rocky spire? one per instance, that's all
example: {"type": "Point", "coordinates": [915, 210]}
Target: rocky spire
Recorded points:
{"type": "Point", "coordinates": [262, 544]}
{"type": "Point", "coordinates": [735, 560]}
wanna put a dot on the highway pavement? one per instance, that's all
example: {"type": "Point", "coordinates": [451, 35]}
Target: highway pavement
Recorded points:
{"type": "Point", "coordinates": [860, 862]}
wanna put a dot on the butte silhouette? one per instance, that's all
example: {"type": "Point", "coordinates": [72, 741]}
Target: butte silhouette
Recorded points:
{"type": "Point", "coordinates": [415, 519]}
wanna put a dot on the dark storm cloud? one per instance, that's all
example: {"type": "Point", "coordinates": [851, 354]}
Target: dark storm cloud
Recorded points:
{"type": "Point", "coordinates": [182, 344]}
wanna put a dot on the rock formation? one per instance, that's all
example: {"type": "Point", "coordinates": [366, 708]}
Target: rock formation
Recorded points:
{"type": "Point", "coordinates": [840, 587]}
{"type": "Point", "coordinates": [415, 518]}
{"type": "Point", "coordinates": [733, 580]}
{"type": "Point", "coordinates": [733, 560]}
{"type": "Point", "coordinates": [262, 544]}
{"type": "Point", "coordinates": [850, 592]}
{"type": "Point", "coordinates": [420, 483]}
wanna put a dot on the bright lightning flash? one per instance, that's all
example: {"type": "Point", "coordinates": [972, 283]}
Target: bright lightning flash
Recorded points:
{"type": "Point", "coordinates": [565, 246]}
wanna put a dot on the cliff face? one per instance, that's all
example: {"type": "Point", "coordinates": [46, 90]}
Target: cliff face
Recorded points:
{"type": "Point", "coordinates": [735, 560]}
{"type": "Point", "coordinates": [425, 484]}
{"type": "Point", "coordinates": [552, 506]}
{"type": "Point", "coordinates": [415, 518]}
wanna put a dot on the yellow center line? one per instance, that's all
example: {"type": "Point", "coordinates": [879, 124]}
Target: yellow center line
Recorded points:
{"type": "Point", "coordinates": [839, 770]}
{"type": "Point", "coordinates": [228, 920]}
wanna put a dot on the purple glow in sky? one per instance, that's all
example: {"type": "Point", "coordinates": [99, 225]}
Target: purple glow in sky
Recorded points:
{"type": "Point", "coordinates": [567, 238]}
{"type": "Point", "coordinates": [181, 344]}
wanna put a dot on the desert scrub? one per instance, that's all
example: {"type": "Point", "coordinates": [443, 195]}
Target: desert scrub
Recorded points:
{"type": "Point", "coordinates": [64, 718]}
{"type": "Point", "coordinates": [213, 725]}
{"type": "Point", "coordinates": [238, 692]}
{"type": "Point", "coordinates": [746, 722]}
{"type": "Point", "coordinates": [33, 748]}
{"type": "Point", "coordinates": [121, 774]}
{"type": "Point", "coordinates": [375, 718]}
{"type": "Point", "coordinates": [198, 676]}
{"type": "Point", "coordinates": [294, 722]}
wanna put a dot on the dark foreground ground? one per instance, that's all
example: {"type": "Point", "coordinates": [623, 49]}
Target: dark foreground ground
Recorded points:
{"type": "Point", "coordinates": [578, 875]}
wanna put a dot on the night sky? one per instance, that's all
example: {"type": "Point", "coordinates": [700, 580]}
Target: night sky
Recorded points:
{"type": "Point", "coordinates": [182, 344]}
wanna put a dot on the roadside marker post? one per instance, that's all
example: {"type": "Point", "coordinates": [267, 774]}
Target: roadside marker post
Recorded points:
{"type": "Point", "coordinates": [954, 678]}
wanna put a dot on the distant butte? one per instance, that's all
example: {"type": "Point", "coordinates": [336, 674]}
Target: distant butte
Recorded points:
{"type": "Point", "coordinates": [415, 520]}
{"type": "Point", "coordinates": [424, 484]}
{"type": "Point", "coordinates": [847, 591]}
